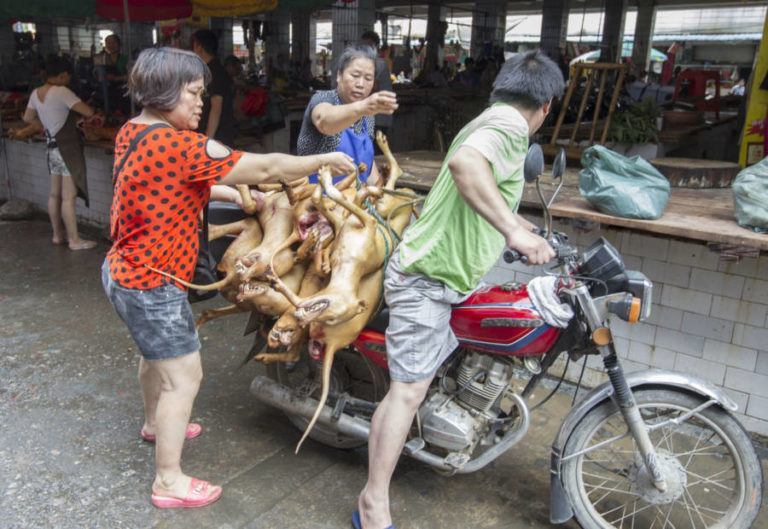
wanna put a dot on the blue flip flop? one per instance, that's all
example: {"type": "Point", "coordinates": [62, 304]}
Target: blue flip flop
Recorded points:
{"type": "Point", "coordinates": [357, 524]}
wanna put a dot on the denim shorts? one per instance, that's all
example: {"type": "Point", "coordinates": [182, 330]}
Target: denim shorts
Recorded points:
{"type": "Point", "coordinates": [159, 319]}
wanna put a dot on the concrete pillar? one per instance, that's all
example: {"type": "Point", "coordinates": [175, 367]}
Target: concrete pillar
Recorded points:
{"type": "Point", "coordinates": [277, 41]}
{"type": "Point", "coordinates": [489, 22]}
{"type": "Point", "coordinates": [646, 18]}
{"type": "Point", "coordinates": [554, 26]}
{"type": "Point", "coordinates": [301, 41]}
{"type": "Point", "coordinates": [350, 20]}
{"type": "Point", "coordinates": [613, 31]}
{"type": "Point", "coordinates": [223, 28]}
{"type": "Point", "coordinates": [435, 36]}
{"type": "Point", "coordinates": [384, 19]}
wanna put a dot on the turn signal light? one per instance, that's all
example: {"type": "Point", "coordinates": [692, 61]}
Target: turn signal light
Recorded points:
{"type": "Point", "coordinates": [628, 308]}
{"type": "Point", "coordinates": [634, 310]}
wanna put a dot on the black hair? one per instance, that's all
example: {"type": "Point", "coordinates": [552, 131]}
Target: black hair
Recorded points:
{"type": "Point", "coordinates": [207, 40]}
{"type": "Point", "coordinates": [160, 74]}
{"type": "Point", "coordinates": [372, 36]}
{"type": "Point", "coordinates": [55, 65]}
{"type": "Point", "coordinates": [231, 59]}
{"type": "Point", "coordinates": [528, 80]}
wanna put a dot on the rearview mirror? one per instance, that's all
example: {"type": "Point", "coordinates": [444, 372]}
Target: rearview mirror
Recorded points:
{"type": "Point", "coordinates": [534, 163]}
{"type": "Point", "coordinates": [558, 166]}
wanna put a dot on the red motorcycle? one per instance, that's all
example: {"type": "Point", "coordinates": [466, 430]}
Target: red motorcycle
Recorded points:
{"type": "Point", "coordinates": [652, 449]}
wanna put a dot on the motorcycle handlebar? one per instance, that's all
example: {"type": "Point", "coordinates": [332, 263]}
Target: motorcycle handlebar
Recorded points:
{"type": "Point", "coordinates": [562, 250]}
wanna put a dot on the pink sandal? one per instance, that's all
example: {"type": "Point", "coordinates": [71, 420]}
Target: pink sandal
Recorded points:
{"type": "Point", "coordinates": [193, 430]}
{"type": "Point", "coordinates": [200, 493]}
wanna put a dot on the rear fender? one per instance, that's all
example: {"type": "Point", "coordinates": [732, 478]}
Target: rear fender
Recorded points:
{"type": "Point", "coordinates": [560, 509]}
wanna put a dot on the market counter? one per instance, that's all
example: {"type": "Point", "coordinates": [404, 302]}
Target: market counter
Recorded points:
{"type": "Point", "coordinates": [696, 214]}
{"type": "Point", "coordinates": [27, 168]}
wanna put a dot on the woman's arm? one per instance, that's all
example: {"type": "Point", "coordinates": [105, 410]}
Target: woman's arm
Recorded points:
{"type": "Point", "coordinates": [271, 168]}
{"type": "Point", "coordinates": [331, 119]}
{"type": "Point", "coordinates": [83, 109]}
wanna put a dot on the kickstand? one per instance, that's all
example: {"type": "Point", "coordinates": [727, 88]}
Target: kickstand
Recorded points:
{"type": "Point", "coordinates": [338, 409]}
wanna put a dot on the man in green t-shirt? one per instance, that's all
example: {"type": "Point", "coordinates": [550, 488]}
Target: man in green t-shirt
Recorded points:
{"type": "Point", "coordinates": [468, 219]}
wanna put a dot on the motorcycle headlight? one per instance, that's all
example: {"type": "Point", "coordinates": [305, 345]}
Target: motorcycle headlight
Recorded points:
{"type": "Point", "coordinates": [640, 287]}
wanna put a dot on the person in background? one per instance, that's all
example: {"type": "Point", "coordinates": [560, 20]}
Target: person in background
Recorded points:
{"type": "Point", "coordinates": [468, 77]}
{"type": "Point", "coordinates": [467, 220]}
{"type": "Point", "coordinates": [739, 88]}
{"type": "Point", "coordinates": [218, 119]}
{"type": "Point", "coordinates": [342, 119]}
{"type": "Point", "coordinates": [161, 186]}
{"type": "Point", "coordinates": [383, 80]}
{"type": "Point", "coordinates": [55, 109]}
{"type": "Point", "coordinates": [115, 61]}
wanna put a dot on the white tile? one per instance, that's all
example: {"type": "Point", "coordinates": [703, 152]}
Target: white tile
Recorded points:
{"type": "Point", "coordinates": [705, 369]}
{"type": "Point", "coordinates": [741, 399]}
{"type": "Point", "coordinates": [645, 246]}
{"type": "Point", "coordinates": [714, 328]}
{"type": "Point", "coordinates": [739, 311]}
{"type": "Point", "coordinates": [680, 342]}
{"type": "Point", "coordinates": [748, 336]}
{"type": "Point", "coordinates": [685, 299]}
{"type": "Point", "coordinates": [756, 290]}
{"type": "Point", "coordinates": [666, 317]}
{"type": "Point", "coordinates": [753, 424]}
{"type": "Point", "coordinates": [691, 254]}
{"type": "Point", "coordinates": [747, 382]}
{"type": "Point", "coordinates": [758, 407]}
{"type": "Point", "coordinates": [729, 354]}
{"type": "Point", "coordinates": [762, 363]}
{"type": "Point", "coordinates": [717, 283]}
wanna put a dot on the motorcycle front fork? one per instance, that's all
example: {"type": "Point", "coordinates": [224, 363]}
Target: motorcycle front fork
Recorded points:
{"type": "Point", "coordinates": [623, 393]}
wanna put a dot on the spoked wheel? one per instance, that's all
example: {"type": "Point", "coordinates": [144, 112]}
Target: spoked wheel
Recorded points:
{"type": "Point", "coordinates": [351, 374]}
{"type": "Point", "coordinates": [714, 478]}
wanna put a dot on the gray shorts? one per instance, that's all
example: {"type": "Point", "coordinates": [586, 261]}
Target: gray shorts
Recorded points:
{"type": "Point", "coordinates": [419, 336]}
{"type": "Point", "coordinates": [159, 319]}
{"type": "Point", "coordinates": [56, 163]}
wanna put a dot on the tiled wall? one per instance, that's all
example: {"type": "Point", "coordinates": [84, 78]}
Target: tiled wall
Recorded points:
{"type": "Point", "coordinates": [709, 317]}
{"type": "Point", "coordinates": [29, 179]}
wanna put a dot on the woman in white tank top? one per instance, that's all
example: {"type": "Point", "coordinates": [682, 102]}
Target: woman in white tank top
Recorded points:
{"type": "Point", "coordinates": [49, 109]}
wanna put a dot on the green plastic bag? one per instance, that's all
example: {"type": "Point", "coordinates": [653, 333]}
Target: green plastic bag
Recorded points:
{"type": "Point", "coordinates": [750, 197]}
{"type": "Point", "coordinates": [624, 187]}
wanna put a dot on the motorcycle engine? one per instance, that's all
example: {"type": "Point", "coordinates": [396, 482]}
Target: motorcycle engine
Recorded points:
{"type": "Point", "coordinates": [455, 420]}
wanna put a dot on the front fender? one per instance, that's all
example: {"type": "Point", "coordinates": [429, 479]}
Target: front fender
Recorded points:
{"type": "Point", "coordinates": [560, 509]}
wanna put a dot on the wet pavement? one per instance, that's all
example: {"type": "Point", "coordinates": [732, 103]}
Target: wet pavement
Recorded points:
{"type": "Point", "coordinates": [70, 410]}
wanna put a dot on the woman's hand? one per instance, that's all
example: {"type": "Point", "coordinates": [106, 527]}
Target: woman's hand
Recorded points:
{"type": "Point", "coordinates": [258, 199]}
{"type": "Point", "coordinates": [339, 162]}
{"type": "Point", "coordinates": [379, 103]}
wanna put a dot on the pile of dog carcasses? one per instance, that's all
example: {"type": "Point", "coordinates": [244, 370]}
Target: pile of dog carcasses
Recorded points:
{"type": "Point", "coordinates": [310, 259]}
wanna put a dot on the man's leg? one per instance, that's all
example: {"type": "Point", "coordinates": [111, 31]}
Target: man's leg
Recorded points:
{"type": "Point", "coordinates": [389, 429]}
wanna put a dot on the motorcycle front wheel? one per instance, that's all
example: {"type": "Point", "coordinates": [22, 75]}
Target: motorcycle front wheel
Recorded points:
{"type": "Point", "coordinates": [714, 478]}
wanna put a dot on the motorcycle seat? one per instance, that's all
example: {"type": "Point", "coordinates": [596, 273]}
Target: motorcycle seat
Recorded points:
{"type": "Point", "coordinates": [380, 322]}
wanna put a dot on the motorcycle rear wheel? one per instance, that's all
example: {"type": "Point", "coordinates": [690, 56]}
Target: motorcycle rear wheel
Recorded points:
{"type": "Point", "coordinates": [714, 475]}
{"type": "Point", "coordinates": [349, 374]}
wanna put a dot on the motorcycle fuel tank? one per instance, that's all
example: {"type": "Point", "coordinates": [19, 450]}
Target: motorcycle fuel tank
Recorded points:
{"type": "Point", "coordinates": [501, 319]}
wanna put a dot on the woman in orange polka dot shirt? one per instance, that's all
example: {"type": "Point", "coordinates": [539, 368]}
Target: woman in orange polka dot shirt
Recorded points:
{"type": "Point", "coordinates": [161, 185]}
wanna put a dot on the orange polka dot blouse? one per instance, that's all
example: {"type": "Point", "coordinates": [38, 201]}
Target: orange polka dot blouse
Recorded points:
{"type": "Point", "coordinates": [159, 194]}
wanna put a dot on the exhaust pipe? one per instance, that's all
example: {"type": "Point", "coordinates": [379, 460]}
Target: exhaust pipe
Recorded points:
{"type": "Point", "coordinates": [275, 394]}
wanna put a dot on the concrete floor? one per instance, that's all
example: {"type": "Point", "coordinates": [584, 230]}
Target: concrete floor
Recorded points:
{"type": "Point", "coordinates": [70, 411]}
